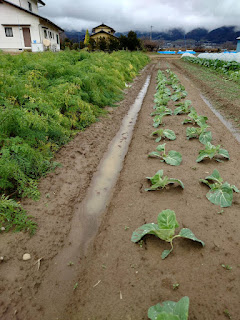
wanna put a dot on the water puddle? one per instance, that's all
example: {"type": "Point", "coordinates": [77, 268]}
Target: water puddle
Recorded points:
{"type": "Point", "coordinates": [85, 223]}
{"type": "Point", "coordinates": [227, 123]}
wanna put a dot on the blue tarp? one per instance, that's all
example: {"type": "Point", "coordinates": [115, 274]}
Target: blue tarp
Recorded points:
{"type": "Point", "coordinates": [167, 52]}
{"type": "Point", "coordinates": [179, 52]}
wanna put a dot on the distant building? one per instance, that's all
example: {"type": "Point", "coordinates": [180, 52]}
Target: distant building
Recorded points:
{"type": "Point", "coordinates": [238, 44]}
{"type": "Point", "coordinates": [104, 32]}
{"type": "Point", "coordinates": [22, 28]}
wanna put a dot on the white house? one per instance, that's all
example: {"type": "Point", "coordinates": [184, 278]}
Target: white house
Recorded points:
{"type": "Point", "coordinates": [22, 28]}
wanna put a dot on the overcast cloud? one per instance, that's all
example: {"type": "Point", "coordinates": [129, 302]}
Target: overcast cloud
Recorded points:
{"type": "Point", "coordinates": [123, 15]}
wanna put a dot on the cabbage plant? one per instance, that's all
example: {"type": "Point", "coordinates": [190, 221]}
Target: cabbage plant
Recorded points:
{"type": "Point", "coordinates": [221, 193]}
{"type": "Point", "coordinates": [164, 133]}
{"type": "Point", "coordinates": [159, 181]}
{"type": "Point", "coordinates": [183, 107]}
{"type": "Point", "coordinates": [195, 118]}
{"type": "Point", "coordinates": [173, 158]}
{"type": "Point", "coordinates": [170, 310]}
{"type": "Point", "coordinates": [211, 152]}
{"type": "Point", "coordinates": [164, 230]}
{"type": "Point", "coordinates": [200, 132]}
{"type": "Point", "coordinates": [160, 110]}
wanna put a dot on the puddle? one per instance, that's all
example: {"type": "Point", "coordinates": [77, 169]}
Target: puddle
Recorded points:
{"type": "Point", "coordinates": [105, 178]}
{"type": "Point", "coordinates": [62, 275]}
{"type": "Point", "coordinates": [227, 123]}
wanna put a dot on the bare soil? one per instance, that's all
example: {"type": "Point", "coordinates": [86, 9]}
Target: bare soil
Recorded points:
{"type": "Point", "coordinates": [117, 279]}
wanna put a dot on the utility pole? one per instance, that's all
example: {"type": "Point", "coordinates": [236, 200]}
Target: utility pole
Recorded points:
{"type": "Point", "coordinates": [151, 33]}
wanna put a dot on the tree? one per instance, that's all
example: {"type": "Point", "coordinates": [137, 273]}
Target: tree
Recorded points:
{"type": "Point", "coordinates": [150, 45]}
{"type": "Point", "coordinates": [133, 42]}
{"type": "Point", "coordinates": [113, 44]}
{"type": "Point", "coordinates": [87, 38]}
{"type": "Point", "coordinates": [102, 43]}
{"type": "Point", "coordinates": [123, 42]}
{"type": "Point", "coordinates": [92, 44]}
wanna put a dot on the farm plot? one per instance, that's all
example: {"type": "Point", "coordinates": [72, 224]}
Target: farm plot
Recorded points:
{"type": "Point", "coordinates": [120, 279]}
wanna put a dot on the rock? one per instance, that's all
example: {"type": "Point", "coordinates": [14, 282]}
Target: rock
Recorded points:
{"type": "Point", "coordinates": [26, 256]}
{"type": "Point", "coordinates": [1, 259]}
{"type": "Point", "coordinates": [3, 229]}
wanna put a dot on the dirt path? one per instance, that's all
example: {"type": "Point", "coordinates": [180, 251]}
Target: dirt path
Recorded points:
{"type": "Point", "coordinates": [117, 279]}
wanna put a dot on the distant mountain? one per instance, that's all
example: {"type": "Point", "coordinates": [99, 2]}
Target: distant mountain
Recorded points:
{"type": "Point", "coordinates": [218, 36]}
{"type": "Point", "coordinates": [75, 36]}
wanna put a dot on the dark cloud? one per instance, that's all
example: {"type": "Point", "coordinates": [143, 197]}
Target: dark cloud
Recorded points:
{"type": "Point", "coordinates": [125, 15]}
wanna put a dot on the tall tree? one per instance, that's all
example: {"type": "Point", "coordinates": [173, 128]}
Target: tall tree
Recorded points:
{"type": "Point", "coordinates": [87, 38]}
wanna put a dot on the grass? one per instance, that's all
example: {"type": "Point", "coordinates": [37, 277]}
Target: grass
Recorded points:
{"type": "Point", "coordinates": [45, 99]}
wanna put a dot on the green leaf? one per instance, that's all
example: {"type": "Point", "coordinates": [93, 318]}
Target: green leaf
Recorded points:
{"type": "Point", "coordinates": [224, 153]}
{"type": "Point", "coordinates": [187, 233]}
{"type": "Point", "coordinates": [167, 220]}
{"type": "Point", "coordinates": [167, 223]}
{"type": "Point", "coordinates": [215, 176]}
{"type": "Point", "coordinates": [173, 158]}
{"type": "Point", "coordinates": [179, 309]}
{"type": "Point", "coordinates": [178, 110]}
{"type": "Point", "coordinates": [158, 181]}
{"type": "Point", "coordinates": [222, 196]}
{"type": "Point", "coordinates": [172, 180]}
{"type": "Point", "coordinates": [157, 177]}
{"type": "Point", "coordinates": [161, 147]}
{"type": "Point", "coordinates": [166, 253]}
{"type": "Point", "coordinates": [149, 228]}
{"type": "Point", "coordinates": [169, 134]}
{"type": "Point", "coordinates": [205, 137]}
{"type": "Point", "coordinates": [235, 189]}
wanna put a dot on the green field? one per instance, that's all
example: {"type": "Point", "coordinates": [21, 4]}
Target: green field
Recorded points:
{"type": "Point", "coordinates": [45, 100]}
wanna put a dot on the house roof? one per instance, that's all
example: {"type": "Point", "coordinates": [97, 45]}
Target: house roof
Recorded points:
{"type": "Point", "coordinates": [41, 2]}
{"type": "Point", "coordinates": [101, 31]}
{"type": "Point", "coordinates": [103, 25]}
{"type": "Point", "coordinates": [32, 13]}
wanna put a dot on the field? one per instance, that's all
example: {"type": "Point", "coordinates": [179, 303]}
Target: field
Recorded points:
{"type": "Point", "coordinates": [83, 264]}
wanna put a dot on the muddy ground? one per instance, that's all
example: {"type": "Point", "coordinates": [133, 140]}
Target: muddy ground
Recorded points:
{"type": "Point", "coordinates": [117, 279]}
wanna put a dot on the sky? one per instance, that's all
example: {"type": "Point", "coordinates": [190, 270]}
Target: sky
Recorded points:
{"type": "Point", "coordinates": [123, 15]}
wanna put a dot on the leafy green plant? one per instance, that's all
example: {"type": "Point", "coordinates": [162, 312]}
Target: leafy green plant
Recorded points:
{"type": "Point", "coordinates": [195, 118]}
{"type": "Point", "coordinates": [176, 286]}
{"type": "Point", "coordinates": [157, 120]}
{"type": "Point", "coordinates": [173, 158]}
{"type": "Point", "coordinates": [161, 110]}
{"type": "Point", "coordinates": [13, 217]}
{"type": "Point", "coordinates": [164, 230]}
{"type": "Point", "coordinates": [226, 266]}
{"type": "Point", "coordinates": [211, 152]}
{"type": "Point", "coordinates": [170, 310]}
{"type": "Point", "coordinates": [179, 95]}
{"type": "Point", "coordinates": [183, 107]}
{"type": "Point", "coordinates": [160, 182]}
{"type": "Point", "coordinates": [200, 132]}
{"type": "Point", "coordinates": [221, 193]}
{"type": "Point", "coordinates": [164, 133]}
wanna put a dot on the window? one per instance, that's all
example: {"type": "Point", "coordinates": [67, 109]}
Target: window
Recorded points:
{"type": "Point", "coordinates": [29, 6]}
{"type": "Point", "coordinates": [57, 38]}
{"type": "Point", "coordinates": [9, 32]}
{"type": "Point", "coordinates": [50, 34]}
{"type": "Point", "coordinates": [45, 34]}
